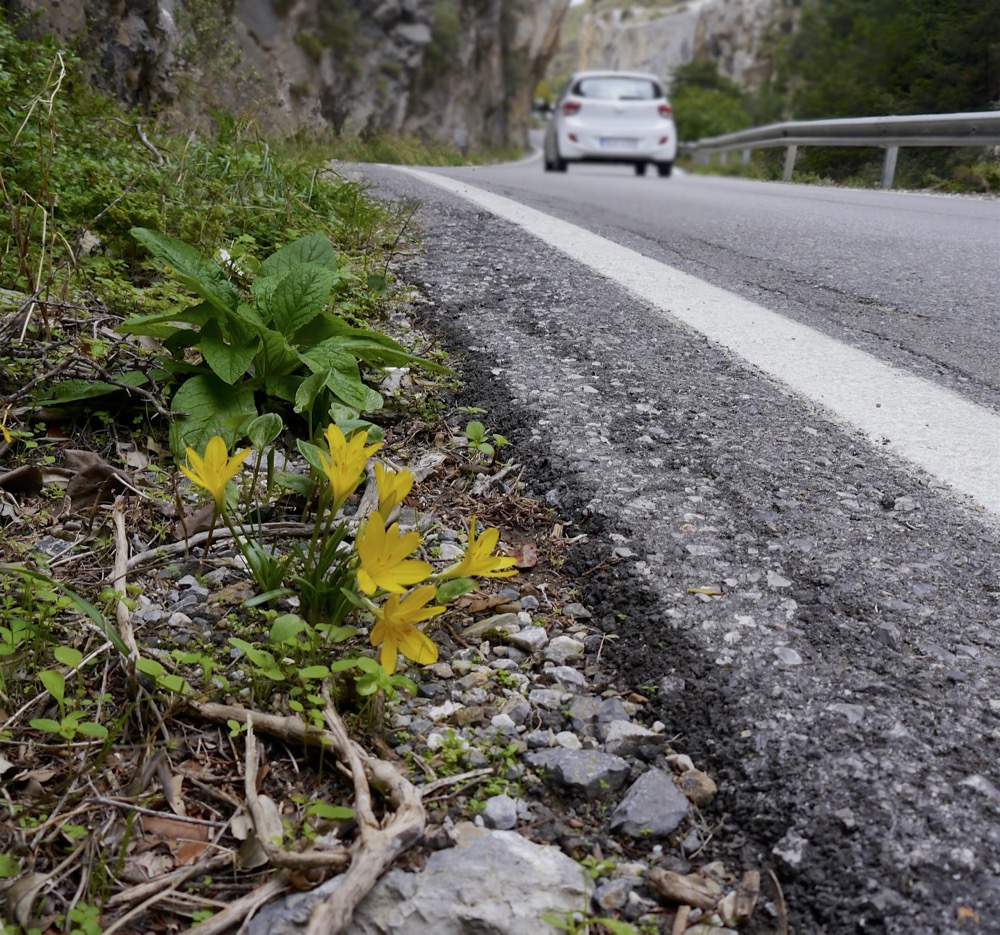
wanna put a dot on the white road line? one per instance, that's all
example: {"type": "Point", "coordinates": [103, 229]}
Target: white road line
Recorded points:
{"type": "Point", "coordinates": [930, 426]}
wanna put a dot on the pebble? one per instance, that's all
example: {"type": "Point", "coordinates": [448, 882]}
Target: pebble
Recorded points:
{"type": "Point", "coordinates": [530, 690]}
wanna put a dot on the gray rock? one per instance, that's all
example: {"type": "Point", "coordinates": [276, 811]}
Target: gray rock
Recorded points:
{"type": "Point", "coordinates": [517, 708]}
{"type": "Point", "coordinates": [653, 807]}
{"type": "Point", "coordinates": [563, 649]}
{"type": "Point", "coordinates": [551, 699]}
{"type": "Point", "coordinates": [613, 894]}
{"type": "Point", "coordinates": [567, 676]}
{"type": "Point", "coordinates": [590, 773]}
{"type": "Point", "coordinates": [507, 624]}
{"type": "Point", "coordinates": [529, 639]}
{"type": "Point", "coordinates": [623, 738]}
{"type": "Point", "coordinates": [500, 812]}
{"type": "Point", "coordinates": [490, 882]}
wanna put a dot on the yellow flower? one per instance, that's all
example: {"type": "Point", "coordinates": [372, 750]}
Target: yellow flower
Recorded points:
{"type": "Point", "coordinates": [478, 560]}
{"type": "Point", "coordinates": [346, 462]}
{"type": "Point", "coordinates": [4, 433]}
{"type": "Point", "coordinates": [216, 469]}
{"type": "Point", "coordinates": [392, 488]}
{"type": "Point", "coordinates": [396, 629]}
{"type": "Point", "coordinates": [384, 564]}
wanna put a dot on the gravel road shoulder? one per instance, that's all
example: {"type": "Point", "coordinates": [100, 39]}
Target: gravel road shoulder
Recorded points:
{"type": "Point", "coordinates": [821, 621]}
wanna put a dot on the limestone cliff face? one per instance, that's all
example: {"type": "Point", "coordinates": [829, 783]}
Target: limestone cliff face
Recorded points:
{"type": "Point", "coordinates": [733, 33]}
{"type": "Point", "coordinates": [446, 70]}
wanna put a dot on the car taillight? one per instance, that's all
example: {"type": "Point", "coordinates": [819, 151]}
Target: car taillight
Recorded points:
{"type": "Point", "coordinates": [665, 110]}
{"type": "Point", "coordinates": [570, 107]}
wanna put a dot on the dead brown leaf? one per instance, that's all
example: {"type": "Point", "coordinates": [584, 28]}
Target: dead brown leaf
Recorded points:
{"type": "Point", "coordinates": [526, 555]}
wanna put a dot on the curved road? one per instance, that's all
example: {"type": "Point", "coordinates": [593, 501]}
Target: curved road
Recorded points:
{"type": "Point", "coordinates": [788, 396]}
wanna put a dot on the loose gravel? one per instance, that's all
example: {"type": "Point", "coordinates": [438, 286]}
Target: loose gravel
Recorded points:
{"type": "Point", "coordinates": [819, 621]}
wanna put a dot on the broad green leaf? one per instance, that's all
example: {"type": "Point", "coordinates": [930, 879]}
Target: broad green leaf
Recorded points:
{"type": "Point", "coordinates": [230, 359]}
{"type": "Point", "coordinates": [149, 667]}
{"type": "Point", "coordinates": [313, 248]}
{"type": "Point", "coordinates": [330, 812]}
{"type": "Point", "coordinates": [54, 683]}
{"type": "Point", "coordinates": [70, 391]}
{"type": "Point", "coordinates": [302, 484]}
{"type": "Point", "coordinates": [370, 346]}
{"type": "Point", "coordinates": [90, 729]}
{"type": "Point", "coordinates": [276, 358]}
{"type": "Point", "coordinates": [454, 588]}
{"type": "Point", "coordinates": [68, 656]}
{"type": "Point", "coordinates": [299, 298]}
{"type": "Point", "coordinates": [208, 407]}
{"type": "Point", "coordinates": [46, 724]}
{"type": "Point", "coordinates": [308, 389]}
{"type": "Point", "coordinates": [342, 665]}
{"type": "Point", "coordinates": [163, 324]}
{"type": "Point", "coordinates": [310, 673]}
{"type": "Point", "coordinates": [286, 627]}
{"type": "Point", "coordinates": [366, 685]}
{"type": "Point", "coordinates": [311, 453]}
{"type": "Point", "coordinates": [203, 276]}
{"type": "Point", "coordinates": [264, 429]}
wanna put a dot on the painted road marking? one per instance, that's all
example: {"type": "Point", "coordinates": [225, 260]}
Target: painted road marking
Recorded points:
{"type": "Point", "coordinates": [931, 426]}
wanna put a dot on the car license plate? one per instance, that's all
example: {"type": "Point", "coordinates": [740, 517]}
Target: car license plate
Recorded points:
{"type": "Point", "coordinates": [617, 142]}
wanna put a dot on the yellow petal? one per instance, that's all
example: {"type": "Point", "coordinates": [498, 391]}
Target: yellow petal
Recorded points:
{"type": "Point", "coordinates": [418, 647]}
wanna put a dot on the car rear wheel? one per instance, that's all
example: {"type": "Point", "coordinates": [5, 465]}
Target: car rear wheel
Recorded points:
{"type": "Point", "coordinates": [640, 168]}
{"type": "Point", "coordinates": [664, 168]}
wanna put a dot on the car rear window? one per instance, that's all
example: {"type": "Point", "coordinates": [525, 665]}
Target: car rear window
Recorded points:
{"type": "Point", "coordinates": [618, 89]}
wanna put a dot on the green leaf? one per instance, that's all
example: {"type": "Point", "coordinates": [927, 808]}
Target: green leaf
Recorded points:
{"type": "Point", "coordinates": [209, 406]}
{"type": "Point", "coordinates": [68, 656]}
{"type": "Point", "coordinates": [70, 391]}
{"type": "Point", "coordinates": [286, 627]}
{"type": "Point", "coordinates": [46, 724]}
{"type": "Point", "coordinates": [301, 484]}
{"type": "Point", "coordinates": [149, 667]}
{"type": "Point", "coordinates": [314, 673]}
{"type": "Point", "coordinates": [9, 867]}
{"type": "Point", "coordinates": [454, 588]}
{"type": "Point", "coordinates": [330, 812]}
{"type": "Point", "coordinates": [299, 298]}
{"type": "Point", "coordinates": [90, 729]}
{"type": "Point", "coordinates": [342, 665]}
{"type": "Point", "coordinates": [200, 274]}
{"type": "Point", "coordinates": [313, 249]}
{"type": "Point", "coordinates": [308, 390]}
{"type": "Point", "coordinates": [311, 453]}
{"type": "Point", "coordinates": [229, 359]}
{"type": "Point", "coordinates": [164, 324]}
{"type": "Point", "coordinates": [366, 685]}
{"type": "Point", "coordinates": [475, 431]}
{"type": "Point", "coordinates": [54, 682]}
{"type": "Point", "coordinates": [265, 429]}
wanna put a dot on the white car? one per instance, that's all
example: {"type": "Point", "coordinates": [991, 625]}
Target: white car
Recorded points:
{"type": "Point", "coordinates": [612, 116]}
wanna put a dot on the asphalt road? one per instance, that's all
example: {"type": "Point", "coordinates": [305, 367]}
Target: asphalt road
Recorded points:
{"type": "Point", "coordinates": [842, 677]}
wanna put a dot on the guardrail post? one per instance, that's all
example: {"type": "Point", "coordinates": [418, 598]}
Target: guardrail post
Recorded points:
{"type": "Point", "coordinates": [745, 157]}
{"type": "Point", "coordinates": [790, 153]}
{"type": "Point", "coordinates": [889, 166]}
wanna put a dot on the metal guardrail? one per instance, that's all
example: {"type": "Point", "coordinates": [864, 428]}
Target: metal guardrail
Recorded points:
{"type": "Point", "coordinates": [970, 129]}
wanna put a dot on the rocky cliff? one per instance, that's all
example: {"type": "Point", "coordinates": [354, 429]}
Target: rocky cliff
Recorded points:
{"type": "Point", "coordinates": [657, 37]}
{"type": "Point", "coordinates": [446, 70]}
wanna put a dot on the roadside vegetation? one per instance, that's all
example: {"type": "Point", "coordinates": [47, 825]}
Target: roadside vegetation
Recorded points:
{"type": "Point", "coordinates": [204, 373]}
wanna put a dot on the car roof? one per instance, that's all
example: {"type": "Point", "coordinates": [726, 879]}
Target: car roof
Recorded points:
{"type": "Point", "coordinates": [611, 73]}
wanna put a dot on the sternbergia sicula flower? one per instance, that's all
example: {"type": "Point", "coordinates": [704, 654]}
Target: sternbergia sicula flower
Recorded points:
{"type": "Point", "coordinates": [396, 629]}
{"type": "Point", "coordinates": [215, 470]}
{"type": "Point", "coordinates": [346, 462]}
{"type": "Point", "coordinates": [478, 561]}
{"type": "Point", "coordinates": [384, 561]}
{"type": "Point", "coordinates": [392, 486]}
